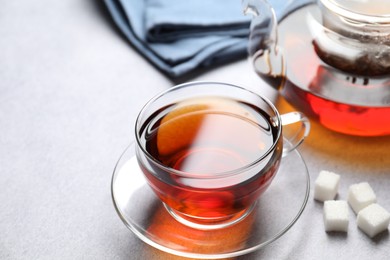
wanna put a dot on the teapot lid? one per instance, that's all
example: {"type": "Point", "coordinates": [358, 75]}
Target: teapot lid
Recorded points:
{"type": "Point", "coordinates": [370, 11]}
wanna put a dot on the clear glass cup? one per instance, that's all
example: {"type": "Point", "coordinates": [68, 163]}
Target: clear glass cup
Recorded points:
{"type": "Point", "coordinates": [208, 150]}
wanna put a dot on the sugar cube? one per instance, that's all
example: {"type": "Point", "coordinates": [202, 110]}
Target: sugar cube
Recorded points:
{"type": "Point", "coordinates": [360, 196]}
{"type": "Point", "coordinates": [336, 215]}
{"type": "Point", "coordinates": [373, 219]}
{"type": "Point", "coordinates": [326, 186]}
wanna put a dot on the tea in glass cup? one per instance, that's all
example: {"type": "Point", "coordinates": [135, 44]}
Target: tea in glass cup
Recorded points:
{"type": "Point", "coordinates": [209, 150]}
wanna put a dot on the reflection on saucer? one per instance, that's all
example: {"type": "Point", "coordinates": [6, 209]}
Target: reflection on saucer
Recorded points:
{"type": "Point", "coordinates": [186, 239]}
{"type": "Point", "coordinates": [144, 214]}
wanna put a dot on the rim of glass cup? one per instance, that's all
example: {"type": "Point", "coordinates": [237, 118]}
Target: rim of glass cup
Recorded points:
{"type": "Point", "coordinates": [338, 8]}
{"type": "Point", "coordinates": [218, 174]}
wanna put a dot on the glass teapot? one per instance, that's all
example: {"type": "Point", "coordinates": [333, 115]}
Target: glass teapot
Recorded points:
{"type": "Point", "coordinates": [330, 59]}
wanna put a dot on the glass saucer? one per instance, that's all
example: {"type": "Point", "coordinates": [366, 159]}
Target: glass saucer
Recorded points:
{"type": "Point", "coordinates": [275, 212]}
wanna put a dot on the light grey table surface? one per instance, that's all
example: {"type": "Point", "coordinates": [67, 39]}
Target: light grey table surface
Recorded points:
{"type": "Point", "coordinates": [70, 89]}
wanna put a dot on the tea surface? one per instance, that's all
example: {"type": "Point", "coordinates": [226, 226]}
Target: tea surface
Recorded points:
{"type": "Point", "coordinates": [210, 135]}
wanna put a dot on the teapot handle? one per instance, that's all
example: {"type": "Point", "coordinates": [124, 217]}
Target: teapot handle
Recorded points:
{"type": "Point", "coordinates": [263, 49]}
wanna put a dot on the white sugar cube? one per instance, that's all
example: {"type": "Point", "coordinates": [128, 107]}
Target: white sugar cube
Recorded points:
{"type": "Point", "coordinates": [373, 219]}
{"type": "Point", "coordinates": [360, 196]}
{"type": "Point", "coordinates": [336, 215]}
{"type": "Point", "coordinates": [326, 186]}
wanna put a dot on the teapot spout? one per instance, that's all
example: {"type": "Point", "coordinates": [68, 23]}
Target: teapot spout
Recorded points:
{"type": "Point", "coordinates": [263, 51]}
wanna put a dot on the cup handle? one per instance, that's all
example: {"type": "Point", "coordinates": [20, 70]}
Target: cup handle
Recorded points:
{"type": "Point", "coordinates": [296, 127]}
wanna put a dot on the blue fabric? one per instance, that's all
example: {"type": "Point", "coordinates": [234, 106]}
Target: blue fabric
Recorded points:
{"type": "Point", "coordinates": [178, 36]}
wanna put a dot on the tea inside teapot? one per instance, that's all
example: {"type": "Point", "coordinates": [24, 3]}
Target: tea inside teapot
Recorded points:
{"type": "Point", "coordinates": [330, 59]}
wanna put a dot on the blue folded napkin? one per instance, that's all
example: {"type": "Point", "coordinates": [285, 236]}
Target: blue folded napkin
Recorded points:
{"type": "Point", "coordinates": [179, 36]}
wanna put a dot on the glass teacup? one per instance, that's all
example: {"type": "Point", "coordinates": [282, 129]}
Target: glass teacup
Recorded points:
{"type": "Point", "coordinates": [209, 150]}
